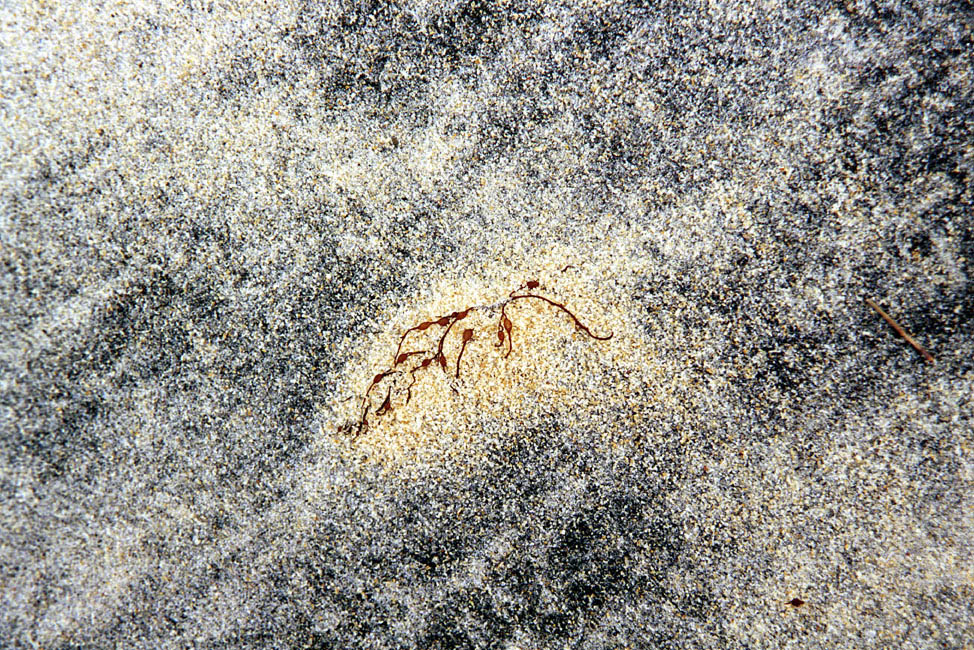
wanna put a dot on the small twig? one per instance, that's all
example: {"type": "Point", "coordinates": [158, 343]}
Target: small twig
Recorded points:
{"type": "Point", "coordinates": [899, 330]}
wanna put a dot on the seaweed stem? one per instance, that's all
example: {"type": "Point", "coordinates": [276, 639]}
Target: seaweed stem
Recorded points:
{"type": "Point", "coordinates": [565, 309]}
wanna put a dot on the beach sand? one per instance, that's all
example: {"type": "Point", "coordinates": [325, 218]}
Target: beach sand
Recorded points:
{"type": "Point", "coordinates": [221, 222]}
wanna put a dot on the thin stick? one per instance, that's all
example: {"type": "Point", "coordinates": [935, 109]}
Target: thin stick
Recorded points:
{"type": "Point", "coordinates": [899, 330]}
{"type": "Point", "coordinates": [467, 335]}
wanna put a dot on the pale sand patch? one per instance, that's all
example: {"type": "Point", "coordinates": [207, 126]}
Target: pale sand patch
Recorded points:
{"type": "Point", "coordinates": [553, 367]}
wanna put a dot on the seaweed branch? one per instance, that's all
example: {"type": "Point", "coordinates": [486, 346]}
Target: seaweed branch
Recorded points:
{"type": "Point", "coordinates": [401, 359]}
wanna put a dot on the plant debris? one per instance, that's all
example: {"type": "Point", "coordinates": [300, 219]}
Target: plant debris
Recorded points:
{"type": "Point", "coordinates": [899, 330]}
{"type": "Point", "coordinates": [426, 357]}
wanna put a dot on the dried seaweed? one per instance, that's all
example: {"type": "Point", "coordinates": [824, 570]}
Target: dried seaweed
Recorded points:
{"type": "Point", "coordinates": [427, 357]}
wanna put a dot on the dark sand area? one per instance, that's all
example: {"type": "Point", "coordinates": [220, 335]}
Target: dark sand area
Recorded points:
{"type": "Point", "coordinates": [219, 222]}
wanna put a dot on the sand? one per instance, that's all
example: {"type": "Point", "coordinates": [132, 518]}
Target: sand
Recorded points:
{"type": "Point", "coordinates": [218, 220]}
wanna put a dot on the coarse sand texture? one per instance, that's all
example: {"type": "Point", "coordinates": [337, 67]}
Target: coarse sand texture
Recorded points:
{"type": "Point", "coordinates": [486, 324]}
